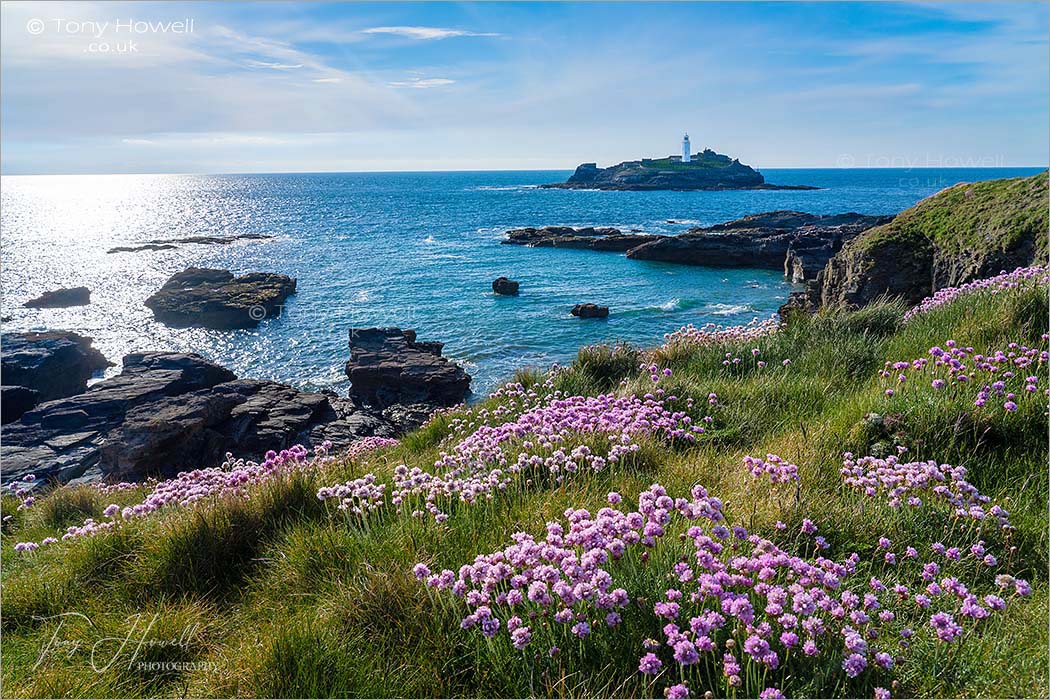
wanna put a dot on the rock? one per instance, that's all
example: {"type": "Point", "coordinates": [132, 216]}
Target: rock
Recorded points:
{"type": "Point", "coordinates": [590, 311]}
{"type": "Point", "coordinates": [168, 412]}
{"type": "Point", "coordinates": [963, 233]}
{"type": "Point", "coordinates": [209, 298]}
{"type": "Point", "coordinates": [16, 400]}
{"type": "Point", "coordinates": [504, 286]}
{"type": "Point", "coordinates": [54, 364]}
{"type": "Point", "coordinates": [140, 248]}
{"type": "Point", "coordinates": [169, 243]}
{"type": "Point", "coordinates": [706, 171]}
{"type": "Point", "coordinates": [798, 303]}
{"type": "Point", "coordinates": [61, 298]}
{"type": "Point", "coordinates": [796, 242]}
{"type": "Point", "coordinates": [603, 238]}
{"type": "Point", "coordinates": [388, 366]}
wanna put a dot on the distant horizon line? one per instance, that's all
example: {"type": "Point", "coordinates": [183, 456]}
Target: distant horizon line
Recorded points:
{"type": "Point", "coordinates": [501, 170]}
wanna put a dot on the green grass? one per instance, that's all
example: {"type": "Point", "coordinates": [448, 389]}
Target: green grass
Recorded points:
{"type": "Point", "coordinates": [279, 596]}
{"type": "Point", "coordinates": [992, 216]}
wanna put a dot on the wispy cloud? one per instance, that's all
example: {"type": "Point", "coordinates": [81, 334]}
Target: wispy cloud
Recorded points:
{"type": "Point", "coordinates": [274, 66]}
{"type": "Point", "coordinates": [425, 33]}
{"type": "Point", "coordinates": [327, 80]}
{"type": "Point", "coordinates": [422, 83]}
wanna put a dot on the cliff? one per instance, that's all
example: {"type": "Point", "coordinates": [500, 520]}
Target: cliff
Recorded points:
{"type": "Point", "coordinates": [706, 171]}
{"type": "Point", "coordinates": [963, 233]}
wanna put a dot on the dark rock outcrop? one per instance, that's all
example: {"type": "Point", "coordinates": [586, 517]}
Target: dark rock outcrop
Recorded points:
{"type": "Point", "coordinates": [15, 401]}
{"type": "Point", "coordinates": [602, 238]}
{"type": "Point", "coordinates": [590, 311]}
{"type": "Point", "coordinates": [171, 243]}
{"type": "Point", "coordinates": [963, 233]}
{"type": "Point", "coordinates": [167, 412]}
{"type": "Point", "coordinates": [705, 171]}
{"type": "Point", "coordinates": [389, 366]}
{"type": "Point", "coordinates": [54, 364]}
{"type": "Point", "coordinates": [796, 242]}
{"type": "Point", "coordinates": [216, 299]}
{"type": "Point", "coordinates": [61, 298]}
{"type": "Point", "coordinates": [505, 287]}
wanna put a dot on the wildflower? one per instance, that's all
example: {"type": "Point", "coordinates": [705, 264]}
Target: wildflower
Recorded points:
{"type": "Point", "coordinates": [521, 637]}
{"type": "Point", "coordinates": [649, 664]}
{"type": "Point", "coordinates": [945, 626]}
{"type": "Point", "coordinates": [854, 664]}
{"type": "Point", "coordinates": [111, 510]}
{"type": "Point", "coordinates": [882, 694]}
{"type": "Point", "coordinates": [676, 692]}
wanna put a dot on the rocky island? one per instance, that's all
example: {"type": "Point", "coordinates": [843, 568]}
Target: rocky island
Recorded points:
{"type": "Point", "coordinates": [704, 171]}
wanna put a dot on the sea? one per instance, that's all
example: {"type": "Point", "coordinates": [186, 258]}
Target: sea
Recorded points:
{"type": "Point", "coordinates": [415, 250]}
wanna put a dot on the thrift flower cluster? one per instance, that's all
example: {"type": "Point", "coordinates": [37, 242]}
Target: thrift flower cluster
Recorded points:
{"type": "Point", "coordinates": [1001, 377]}
{"type": "Point", "coordinates": [23, 490]}
{"type": "Point", "coordinates": [740, 610]}
{"type": "Point", "coordinates": [234, 478]}
{"type": "Point", "coordinates": [713, 334]}
{"type": "Point", "coordinates": [911, 482]}
{"type": "Point", "coordinates": [1002, 282]}
{"type": "Point", "coordinates": [547, 440]}
{"type": "Point", "coordinates": [779, 470]}
{"type": "Point", "coordinates": [357, 496]}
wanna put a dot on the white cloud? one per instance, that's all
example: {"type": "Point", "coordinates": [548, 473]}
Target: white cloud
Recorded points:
{"type": "Point", "coordinates": [327, 80]}
{"type": "Point", "coordinates": [274, 66]}
{"type": "Point", "coordinates": [422, 83]}
{"type": "Point", "coordinates": [424, 33]}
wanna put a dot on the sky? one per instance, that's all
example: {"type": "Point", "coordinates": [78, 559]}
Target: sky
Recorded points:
{"type": "Point", "coordinates": [310, 87]}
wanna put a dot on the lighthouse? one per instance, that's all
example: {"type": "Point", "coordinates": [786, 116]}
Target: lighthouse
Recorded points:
{"type": "Point", "coordinates": [685, 148]}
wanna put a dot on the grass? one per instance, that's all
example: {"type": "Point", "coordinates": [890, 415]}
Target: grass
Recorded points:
{"type": "Point", "coordinates": [984, 216]}
{"type": "Point", "coordinates": [281, 596]}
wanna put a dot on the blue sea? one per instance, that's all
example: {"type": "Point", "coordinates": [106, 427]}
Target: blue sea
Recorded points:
{"type": "Point", "coordinates": [416, 250]}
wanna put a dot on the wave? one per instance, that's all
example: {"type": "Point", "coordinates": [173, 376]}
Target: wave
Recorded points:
{"type": "Point", "coordinates": [727, 309]}
{"type": "Point", "coordinates": [676, 304]}
{"type": "Point", "coordinates": [500, 188]}
{"type": "Point", "coordinates": [429, 239]}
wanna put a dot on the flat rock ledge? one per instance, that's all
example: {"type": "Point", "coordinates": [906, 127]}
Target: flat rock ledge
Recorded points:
{"type": "Point", "coordinates": [171, 412]}
{"type": "Point", "coordinates": [798, 243]}
{"type": "Point", "coordinates": [172, 243]}
{"type": "Point", "coordinates": [589, 238]}
{"type": "Point", "coordinates": [44, 366]}
{"type": "Point", "coordinates": [207, 298]}
{"type": "Point", "coordinates": [60, 299]}
{"type": "Point", "coordinates": [389, 366]}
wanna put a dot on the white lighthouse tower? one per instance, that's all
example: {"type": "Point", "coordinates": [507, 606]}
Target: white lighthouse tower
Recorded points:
{"type": "Point", "coordinates": [685, 148]}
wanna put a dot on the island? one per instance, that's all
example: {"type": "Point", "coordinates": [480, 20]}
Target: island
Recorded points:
{"type": "Point", "coordinates": [706, 170]}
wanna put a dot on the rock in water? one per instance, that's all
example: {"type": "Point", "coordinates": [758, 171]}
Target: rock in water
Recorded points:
{"type": "Point", "coordinates": [61, 298]}
{"type": "Point", "coordinates": [602, 238]}
{"type": "Point", "coordinates": [388, 366]}
{"type": "Point", "coordinates": [168, 412]}
{"type": "Point", "coordinates": [16, 400]}
{"type": "Point", "coordinates": [706, 171]}
{"type": "Point", "coordinates": [208, 298]}
{"type": "Point", "coordinates": [799, 243]}
{"type": "Point", "coordinates": [54, 364]}
{"type": "Point", "coordinates": [504, 286]}
{"type": "Point", "coordinates": [590, 311]}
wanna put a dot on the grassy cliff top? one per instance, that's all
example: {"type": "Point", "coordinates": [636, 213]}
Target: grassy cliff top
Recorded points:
{"type": "Point", "coordinates": [993, 215]}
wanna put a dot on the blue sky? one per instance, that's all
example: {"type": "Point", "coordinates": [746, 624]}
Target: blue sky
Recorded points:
{"type": "Point", "coordinates": [269, 87]}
